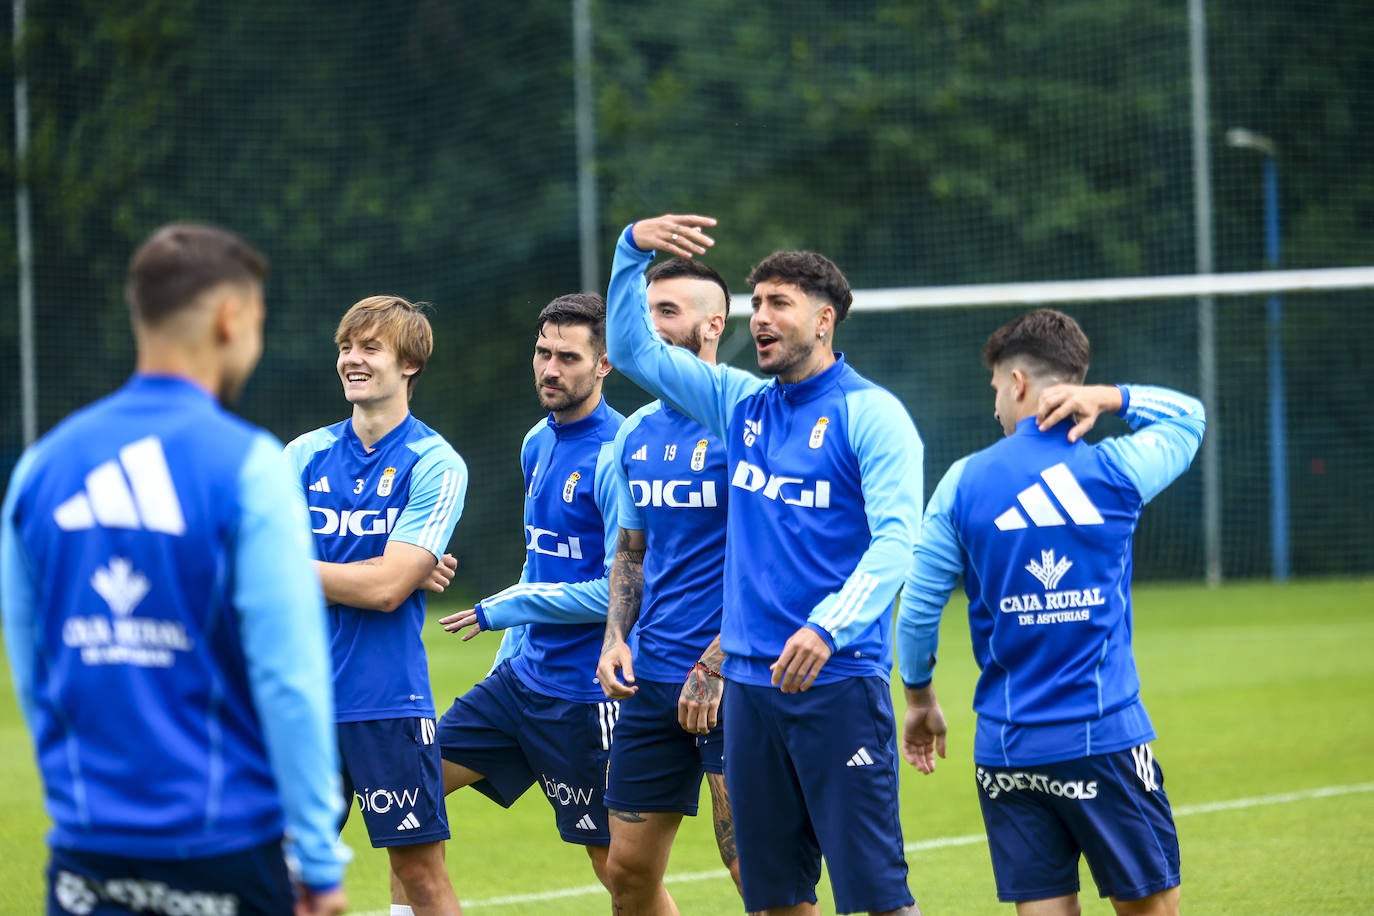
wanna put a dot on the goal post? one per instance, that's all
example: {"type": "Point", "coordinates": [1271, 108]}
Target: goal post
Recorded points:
{"type": "Point", "coordinates": [1278, 446]}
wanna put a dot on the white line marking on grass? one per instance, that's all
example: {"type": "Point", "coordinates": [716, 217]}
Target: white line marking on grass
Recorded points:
{"type": "Point", "coordinates": [1235, 804]}
{"type": "Point", "coordinates": [1280, 798]}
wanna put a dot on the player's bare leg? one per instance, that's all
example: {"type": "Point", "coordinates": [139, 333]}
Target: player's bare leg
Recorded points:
{"type": "Point", "coordinates": [455, 777]}
{"type": "Point", "coordinates": [1165, 903]}
{"type": "Point", "coordinates": [1050, 906]}
{"type": "Point", "coordinates": [638, 859]}
{"type": "Point", "coordinates": [724, 821]}
{"type": "Point", "coordinates": [598, 856]}
{"type": "Point", "coordinates": [419, 873]}
{"type": "Point", "coordinates": [796, 909]}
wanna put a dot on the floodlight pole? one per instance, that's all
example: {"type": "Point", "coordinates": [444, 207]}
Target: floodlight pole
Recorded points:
{"type": "Point", "coordinates": [1206, 305]}
{"type": "Point", "coordinates": [23, 233]}
{"type": "Point", "coordinates": [1280, 546]}
{"type": "Point", "coordinates": [584, 118]}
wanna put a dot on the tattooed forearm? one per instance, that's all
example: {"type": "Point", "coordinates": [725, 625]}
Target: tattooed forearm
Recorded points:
{"type": "Point", "coordinates": [714, 654]}
{"type": "Point", "coordinates": [627, 587]}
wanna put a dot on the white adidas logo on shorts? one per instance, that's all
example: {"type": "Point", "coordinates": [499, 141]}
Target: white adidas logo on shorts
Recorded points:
{"type": "Point", "coordinates": [861, 758]}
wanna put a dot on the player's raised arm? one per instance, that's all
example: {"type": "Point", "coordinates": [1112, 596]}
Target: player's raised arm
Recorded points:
{"type": "Point", "coordinates": [704, 392]}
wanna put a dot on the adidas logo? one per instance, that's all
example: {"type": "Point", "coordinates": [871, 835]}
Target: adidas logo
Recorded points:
{"type": "Point", "coordinates": [135, 492]}
{"type": "Point", "coordinates": [641, 454]}
{"type": "Point", "coordinates": [586, 823]}
{"type": "Point", "coordinates": [861, 758]}
{"type": "Point", "coordinates": [321, 485]}
{"type": "Point", "coordinates": [1041, 509]}
{"type": "Point", "coordinates": [409, 822]}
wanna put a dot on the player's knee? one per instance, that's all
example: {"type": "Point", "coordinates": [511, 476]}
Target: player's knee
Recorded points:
{"type": "Point", "coordinates": [628, 875]}
{"type": "Point", "coordinates": [1164, 903]}
{"type": "Point", "coordinates": [423, 875]}
{"type": "Point", "coordinates": [600, 856]}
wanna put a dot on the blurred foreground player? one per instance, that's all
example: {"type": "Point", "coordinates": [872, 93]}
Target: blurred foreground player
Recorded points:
{"type": "Point", "coordinates": [165, 630]}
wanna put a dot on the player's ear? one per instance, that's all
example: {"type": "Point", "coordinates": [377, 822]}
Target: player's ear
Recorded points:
{"type": "Point", "coordinates": [715, 326]}
{"type": "Point", "coordinates": [1020, 382]}
{"type": "Point", "coordinates": [226, 307]}
{"type": "Point", "coordinates": [825, 322]}
{"type": "Point", "coordinates": [603, 366]}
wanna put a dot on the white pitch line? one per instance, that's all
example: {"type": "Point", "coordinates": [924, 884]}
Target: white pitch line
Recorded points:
{"type": "Point", "coordinates": [1235, 804]}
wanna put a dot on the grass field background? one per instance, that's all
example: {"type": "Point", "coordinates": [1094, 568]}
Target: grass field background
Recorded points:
{"type": "Point", "coordinates": [1263, 697]}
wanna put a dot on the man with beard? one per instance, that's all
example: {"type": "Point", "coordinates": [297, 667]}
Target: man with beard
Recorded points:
{"type": "Point", "coordinates": [663, 624]}
{"type": "Point", "coordinates": [166, 633]}
{"type": "Point", "coordinates": [825, 508]}
{"type": "Point", "coordinates": [540, 714]}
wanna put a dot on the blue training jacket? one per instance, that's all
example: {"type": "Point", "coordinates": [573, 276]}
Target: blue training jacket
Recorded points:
{"type": "Point", "coordinates": [825, 498]}
{"type": "Point", "coordinates": [1041, 530]}
{"type": "Point", "coordinates": [410, 488]}
{"type": "Point", "coordinates": [673, 487]}
{"type": "Point", "coordinates": [166, 634]}
{"type": "Point", "coordinates": [558, 608]}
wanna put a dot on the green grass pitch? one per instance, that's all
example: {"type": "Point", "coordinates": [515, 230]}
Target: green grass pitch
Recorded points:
{"type": "Point", "coordinates": [1263, 696]}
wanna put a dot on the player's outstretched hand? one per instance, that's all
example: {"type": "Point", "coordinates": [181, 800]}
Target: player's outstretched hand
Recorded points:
{"type": "Point", "coordinates": [677, 234]}
{"type": "Point", "coordinates": [803, 655]}
{"type": "Point", "coordinates": [442, 574]}
{"type": "Point", "coordinates": [1084, 403]}
{"type": "Point", "coordinates": [320, 903]}
{"type": "Point", "coordinates": [616, 671]}
{"type": "Point", "coordinates": [462, 620]}
{"type": "Point", "coordinates": [923, 729]}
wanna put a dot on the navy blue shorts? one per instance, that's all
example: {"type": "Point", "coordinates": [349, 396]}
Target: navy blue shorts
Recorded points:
{"type": "Point", "coordinates": [655, 764]}
{"type": "Point", "coordinates": [253, 882]}
{"type": "Point", "coordinates": [812, 774]}
{"type": "Point", "coordinates": [391, 768]}
{"type": "Point", "coordinates": [1110, 808]}
{"type": "Point", "coordinates": [515, 737]}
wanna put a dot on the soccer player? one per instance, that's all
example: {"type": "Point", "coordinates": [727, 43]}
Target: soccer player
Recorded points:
{"type": "Point", "coordinates": [540, 714]}
{"type": "Point", "coordinates": [825, 502]}
{"type": "Point", "coordinates": [165, 632]}
{"type": "Point", "coordinates": [1040, 527]}
{"type": "Point", "coordinates": [385, 492]}
{"type": "Point", "coordinates": [666, 593]}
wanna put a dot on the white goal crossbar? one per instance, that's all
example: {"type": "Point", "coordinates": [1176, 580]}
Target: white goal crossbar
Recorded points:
{"type": "Point", "coordinates": [1260, 282]}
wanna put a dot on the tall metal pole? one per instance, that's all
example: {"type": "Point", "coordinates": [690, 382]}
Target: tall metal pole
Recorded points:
{"type": "Point", "coordinates": [23, 232]}
{"type": "Point", "coordinates": [585, 120]}
{"type": "Point", "coordinates": [1206, 305]}
{"type": "Point", "coordinates": [1280, 547]}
